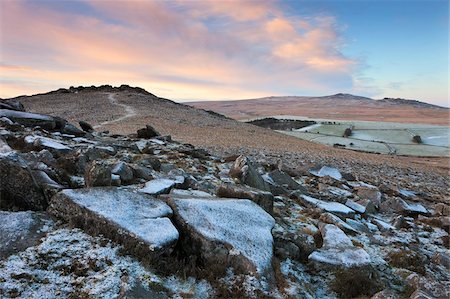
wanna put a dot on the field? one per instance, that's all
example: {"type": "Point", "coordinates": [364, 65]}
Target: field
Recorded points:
{"type": "Point", "coordinates": [379, 137]}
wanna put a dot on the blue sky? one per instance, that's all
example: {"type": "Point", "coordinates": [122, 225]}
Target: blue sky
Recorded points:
{"type": "Point", "coordinates": [213, 50]}
{"type": "Point", "coordinates": [402, 45]}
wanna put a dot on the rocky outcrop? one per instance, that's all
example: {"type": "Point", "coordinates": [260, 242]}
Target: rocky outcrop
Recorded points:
{"type": "Point", "coordinates": [137, 221]}
{"type": "Point", "coordinates": [225, 233]}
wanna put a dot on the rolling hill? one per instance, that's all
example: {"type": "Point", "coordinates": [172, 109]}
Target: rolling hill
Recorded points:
{"type": "Point", "coordinates": [339, 106]}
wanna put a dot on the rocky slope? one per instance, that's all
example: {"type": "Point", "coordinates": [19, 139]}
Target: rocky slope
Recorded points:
{"type": "Point", "coordinates": [89, 214]}
{"type": "Point", "coordinates": [339, 106]}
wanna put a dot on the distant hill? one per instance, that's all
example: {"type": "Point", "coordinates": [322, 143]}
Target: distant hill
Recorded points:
{"type": "Point", "coordinates": [345, 96]}
{"type": "Point", "coordinates": [338, 106]}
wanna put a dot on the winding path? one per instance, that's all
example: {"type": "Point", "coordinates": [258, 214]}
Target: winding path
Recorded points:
{"type": "Point", "coordinates": [129, 111]}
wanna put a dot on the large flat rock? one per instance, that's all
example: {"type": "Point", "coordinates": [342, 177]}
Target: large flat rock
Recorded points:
{"type": "Point", "coordinates": [20, 230]}
{"type": "Point", "coordinates": [29, 119]}
{"type": "Point", "coordinates": [138, 221]}
{"type": "Point", "coordinates": [225, 233]}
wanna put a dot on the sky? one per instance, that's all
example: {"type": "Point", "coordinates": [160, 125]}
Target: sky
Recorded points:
{"type": "Point", "coordinates": [225, 50]}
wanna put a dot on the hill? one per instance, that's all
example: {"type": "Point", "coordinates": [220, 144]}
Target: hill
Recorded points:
{"type": "Point", "coordinates": [339, 106]}
{"type": "Point", "coordinates": [123, 110]}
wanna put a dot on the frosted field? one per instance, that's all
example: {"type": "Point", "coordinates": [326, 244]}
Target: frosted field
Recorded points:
{"type": "Point", "coordinates": [378, 137]}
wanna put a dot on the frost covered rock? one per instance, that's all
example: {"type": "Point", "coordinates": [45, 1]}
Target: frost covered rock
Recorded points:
{"type": "Point", "coordinates": [4, 147]}
{"type": "Point", "coordinates": [29, 119]}
{"type": "Point", "coordinates": [338, 250]}
{"type": "Point", "coordinates": [367, 192]}
{"type": "Point", "coordinates": [124, 171]}
{"type": "Point", "coordinates": [295, 246]}
{"type": "Point", "coordinates": [263, 198]}
{"type": "Point", "coordinates": [20, 230]}
{"type": "Point", "coordinates": [355, 206]}
{"type": "Point", "coordinates": [402, 207]}
{"type": "Point", "coordinates": [245, 172]}
{"type": "Point", "coordinates": [336, 191]}
{"type": "Point", "coordinates": [332, 207]}
{"type": "Point", "coordinates": [97, 173]}
{"type": "Point", "coordinates": [158, 186]}
{"type": "Point", "coordinates": [332, 219]}
{"type": "Point", "coordinates": [72, 130]}
{"type": "Point", "coordinates": [189, 193]}
{"type": "Point", "coordinates": [382, 225]}
{"type": "Point", "coordinates": [283, 179]}
{"type": "Point", "coordinates": [47, 143]}
{"type": "Point", "coordinates": [11, 104]}
{"type": "Point", "coordinates": [225, 233]}
{"type": "Point", "coordinates": [326, 171]}
{"type": "Point", "coordinates": [137, 221]}
{"type": "Point", "coordinates": [18, 187]}
{"type": "Point", "coordinates": [362, 206]}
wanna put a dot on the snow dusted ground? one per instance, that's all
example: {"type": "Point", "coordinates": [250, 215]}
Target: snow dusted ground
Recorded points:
{"type": "Point", "coordinates": [71, 264]}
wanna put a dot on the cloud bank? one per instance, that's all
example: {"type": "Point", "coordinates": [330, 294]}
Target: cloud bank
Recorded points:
{"type": "Point", "coordinates": [182, 50]}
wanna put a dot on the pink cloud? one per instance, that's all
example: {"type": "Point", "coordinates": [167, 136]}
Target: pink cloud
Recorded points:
{"type": "Point", "coordinates": [255, 50]}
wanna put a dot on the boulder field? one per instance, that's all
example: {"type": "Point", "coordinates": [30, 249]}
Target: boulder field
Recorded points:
{"type": "Point", "coordinates": [87, 214]}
